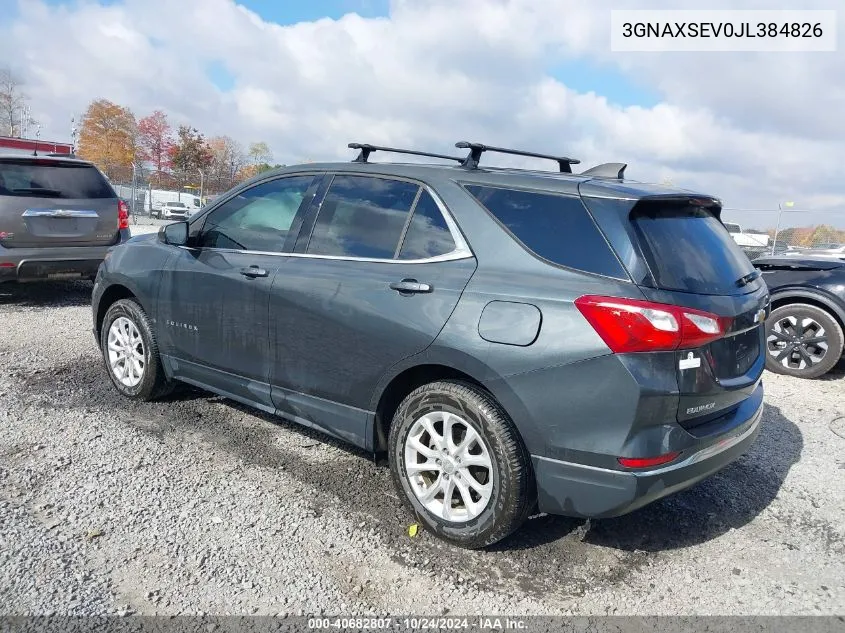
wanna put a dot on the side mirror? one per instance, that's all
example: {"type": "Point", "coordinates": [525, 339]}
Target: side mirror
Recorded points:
{"type": "Point", "coordinates": [175, 233]}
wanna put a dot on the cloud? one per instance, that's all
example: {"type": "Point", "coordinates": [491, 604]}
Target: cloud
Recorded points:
{"type": "Point", "coordinates": [752, 129]}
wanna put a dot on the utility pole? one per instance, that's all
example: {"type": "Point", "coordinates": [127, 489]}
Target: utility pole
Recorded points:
{"type": "Point", "coordinates": [73, 133]}
{"type": "Point", "coordinates": [777, 228]}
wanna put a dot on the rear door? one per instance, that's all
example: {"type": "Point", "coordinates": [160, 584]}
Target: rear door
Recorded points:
{"type": "Point", "coordinates": [680, 253]}
{"type": "Point", "coordinates": [47, 202]}
{"type": "Point", "coordinates": [376, 272]}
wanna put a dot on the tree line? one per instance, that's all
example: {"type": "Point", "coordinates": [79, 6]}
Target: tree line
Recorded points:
{"type": "Point", "coordinates": [163, 156]}
{"type": "Point", "coordinates": [810, 236]}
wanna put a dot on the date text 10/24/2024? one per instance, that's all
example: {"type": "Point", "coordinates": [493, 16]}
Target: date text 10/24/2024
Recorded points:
{"type": "Point", "coordinates": [493, 623]}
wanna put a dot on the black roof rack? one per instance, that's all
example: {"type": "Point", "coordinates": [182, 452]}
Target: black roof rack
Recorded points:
{"type": "Point", "coordinates": [476, 149]}
{"type": "Point", "coordinates": [367, 149]}
{"type": "Point", "coordinates": [606, 170]}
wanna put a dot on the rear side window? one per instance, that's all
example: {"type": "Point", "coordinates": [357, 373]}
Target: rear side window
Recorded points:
{"type": "Point", "coordinates": [362, 217]}
{"type": "Point", "coordinates": [428, 234]}
{"type": "Point", "coordinates": [52, 180]}
{"type": "Point", "coordinates": [554, 227]}
{"type": "Point", "coordinates": [688, 248]}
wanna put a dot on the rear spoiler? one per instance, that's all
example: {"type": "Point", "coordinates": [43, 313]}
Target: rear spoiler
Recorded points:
{"type": "Point", "coordinates": [615, 171]}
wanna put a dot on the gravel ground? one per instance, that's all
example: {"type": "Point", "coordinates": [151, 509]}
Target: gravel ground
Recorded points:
{"type": "Point", "coordinates": [199, 505]}
{"type": "Point", "coordinates": [142, 225]}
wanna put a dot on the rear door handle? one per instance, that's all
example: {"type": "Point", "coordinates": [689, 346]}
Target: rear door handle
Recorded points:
{"type": "Point", "coordinates": [253, 271]}
{"type": "Point", "coordinates": [410, 286]}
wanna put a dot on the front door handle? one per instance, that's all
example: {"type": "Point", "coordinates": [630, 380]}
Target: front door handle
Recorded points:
{"type": "Point", "coordinates": [253, 271]}
{"type": "Point", "coordinates": [410, 286]}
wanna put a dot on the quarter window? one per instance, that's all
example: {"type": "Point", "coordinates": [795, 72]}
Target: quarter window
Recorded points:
{"type": "Point", "coordinates": [362, 216]}
{"type": "Point", "coordinates": [428, 234]}
{"type": "Point", "coordinates": [555, 227]}
{"type": "Point", "coordinates": [257, 219]}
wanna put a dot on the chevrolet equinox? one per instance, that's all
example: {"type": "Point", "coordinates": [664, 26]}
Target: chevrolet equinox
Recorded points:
{"type": "Point", "coordinates": [515, 340]}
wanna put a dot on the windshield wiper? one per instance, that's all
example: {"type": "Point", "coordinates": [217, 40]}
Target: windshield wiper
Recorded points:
{"type": "Point", "coordinates": [39, 191]}
{"type": "Point", "coordinates": [747, 279]}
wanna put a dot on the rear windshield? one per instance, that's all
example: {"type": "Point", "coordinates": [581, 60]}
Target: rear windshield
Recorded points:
{"type": "Point", "coordinates": [689, 249]}
{"type": "Point", "coordinates": [52, 180]}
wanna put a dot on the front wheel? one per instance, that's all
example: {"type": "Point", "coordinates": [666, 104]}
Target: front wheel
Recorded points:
{"type": "Point", "coordinates": [460, 465]}
{"type": "Point", "coordinates": [802, 340]}
{"type": "Point", "coordinates": [130, 352]}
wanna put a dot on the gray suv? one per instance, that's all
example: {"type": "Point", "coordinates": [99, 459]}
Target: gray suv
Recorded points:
{"type": "Point", "coordinates": [514, 340]}
{"type": "Point", "coordinates": [58, 217]}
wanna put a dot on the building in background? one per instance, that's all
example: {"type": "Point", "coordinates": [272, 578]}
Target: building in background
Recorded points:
{"type": "Point", "coordinates": [10, 145]}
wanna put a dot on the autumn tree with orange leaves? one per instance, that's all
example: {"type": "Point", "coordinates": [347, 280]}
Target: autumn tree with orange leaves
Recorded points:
{"type": "Point", "coordinates": [108, 138]}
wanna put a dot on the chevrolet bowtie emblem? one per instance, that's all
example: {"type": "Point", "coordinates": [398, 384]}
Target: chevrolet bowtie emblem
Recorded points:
{"type": "Point", "coordinates": [760, 316]}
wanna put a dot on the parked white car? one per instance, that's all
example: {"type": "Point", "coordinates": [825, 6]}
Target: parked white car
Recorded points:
{"type": "Point", "coordinates": [174, 211]}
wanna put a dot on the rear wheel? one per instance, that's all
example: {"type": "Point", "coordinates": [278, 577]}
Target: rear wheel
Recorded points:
{"type": "Point", "coordinates": [460, 465]}
{"type": "Point", "coordinates": [130, 352]}
{"type": "Point", "coordinates": [802, 340]}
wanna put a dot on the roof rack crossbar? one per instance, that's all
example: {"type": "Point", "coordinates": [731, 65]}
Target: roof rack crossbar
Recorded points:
{"type": "Point", "coordinates": [476, 149]}
{"type": "Point", "coordinates": [615, 171]}
{"type": "Point", "coordinates": [366, 149]}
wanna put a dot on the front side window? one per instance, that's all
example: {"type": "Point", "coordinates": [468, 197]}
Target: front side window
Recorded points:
{"type": "Point", "coordinates": [362, 216]}
{"type": "Point", "coordinates": [257, 219]}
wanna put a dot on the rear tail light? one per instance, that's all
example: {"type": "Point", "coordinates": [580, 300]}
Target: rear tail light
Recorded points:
{"type": "Point", "coordinates": [122, 215]}
{"type": "Point", "coordinates": [631, 325]}
{"type": "Point", "coordinates": [647, 462]}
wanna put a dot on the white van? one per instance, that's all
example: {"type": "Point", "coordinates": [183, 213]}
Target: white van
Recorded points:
{"type": "Point", "coordinates": [157, 198]}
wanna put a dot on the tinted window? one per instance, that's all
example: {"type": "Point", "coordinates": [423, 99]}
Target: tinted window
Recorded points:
{"type": "Point", "coordinates": [362, 217]}
{"type": "Point", "coordinates": [428, 234]}
{"type": "Point", "coordinates": [557, 228]}
{"type": "Point", "coordinates": [257, 219]}
{"type": "Point", "coordinates": [689, 249]}
{"type": "Point", "coordinates": [52, 180]}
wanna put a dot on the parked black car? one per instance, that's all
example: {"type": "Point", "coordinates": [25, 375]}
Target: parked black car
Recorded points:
{"type": "Point", "coordinates": [804, 331]}
{"type": "Point", "coordinates": [580, 344]}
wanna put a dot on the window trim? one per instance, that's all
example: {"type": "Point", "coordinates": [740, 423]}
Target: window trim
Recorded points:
{"type": "Point", "coordinates": [464, 184]}
{"type": "Point", "coordinates": [461, 250]}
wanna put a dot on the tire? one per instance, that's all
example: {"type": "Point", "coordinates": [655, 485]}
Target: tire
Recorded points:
{"type": "Point", "coordinates": [789, 327]}
{"type": "Point", "coordinates": [508, 490]}
{"type": "Point", "coordinates": [152, 383]}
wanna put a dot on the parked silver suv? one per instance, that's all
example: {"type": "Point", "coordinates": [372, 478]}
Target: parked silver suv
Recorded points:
{"type": "Point", "coordinates": [58, 217]}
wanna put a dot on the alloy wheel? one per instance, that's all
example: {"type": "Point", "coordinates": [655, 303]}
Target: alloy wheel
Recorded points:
{"type": "Point", "coordinates": [448, 466]}
{"type": "Point", "coordinates": [126, 352]}
{"type": "Point", "coordinates": [797, 344]}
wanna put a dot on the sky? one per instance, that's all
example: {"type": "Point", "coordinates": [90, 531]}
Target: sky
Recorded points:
{"type": "Point", "coordinates": [308, 77]}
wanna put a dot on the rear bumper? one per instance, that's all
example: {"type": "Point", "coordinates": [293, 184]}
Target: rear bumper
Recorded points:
{"type": "Point", "coordinates": [67, 262]}
{"type": "Point", "coordinates": [587, 491]}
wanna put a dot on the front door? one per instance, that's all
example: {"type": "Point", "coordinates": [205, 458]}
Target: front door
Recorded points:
{"type": "Point", "coordinates": [212, 323]}
{"type": "Point", "coordinates": [374, 279]}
